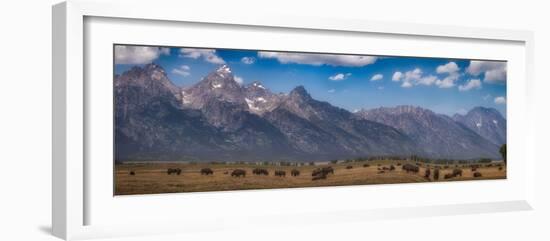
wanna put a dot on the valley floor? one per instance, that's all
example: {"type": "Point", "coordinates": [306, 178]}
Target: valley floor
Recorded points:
{"type": "Point", "coordinates": [150, 178]}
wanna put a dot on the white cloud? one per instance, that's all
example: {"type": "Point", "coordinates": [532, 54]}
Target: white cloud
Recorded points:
{"type": "Point", "coordinates": [413, 75]}
{"type": "Point", "coordinates": [248, 60]}
{"type": "Point", "coordinates": [449, 68]}
{"type": "Point", "coordinates": [406, 84]}
{"type": "Point", "coordinates": [165, 51]}
{"type": "Point", "coordinates": [182, 70]}
{"type": "Point", "coordinates": [331, 91]}
{"type": "Point", "coordinates": [447, 82]}
{"type": "Point", "coordinates": [416, 77]}
{"type": "Point", "coordinates": [487, 97]}
{"type": "Point", "coordinates": [319, 59]}
{"type": "Point", "coordinates": [138, 54]}
{"type": "Point", "coordinates": [208, 55]}
{"type": "Point", "coordinates": [397, 76]}
{"type": "Point", "coordinates": [380, 87]}
{"type": "Point", "coordinates": [500, 100]}
{"type": "Point", "coordinates": [471, 84]}
{"type": "Point", "coordinates": [427, 80]}
{"type": "Point", "coordinates": [494, 72]}
{"type": "Point", "coordinates": [452, 71]}
{"type": "Point", "coordinates": [238, 79]}
{"type": "Point", "coordinates": [339, 76]}
{"type": "Point", "coordinates": [376, 77]}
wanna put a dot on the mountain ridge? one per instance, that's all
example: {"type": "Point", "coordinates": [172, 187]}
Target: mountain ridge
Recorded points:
{"type": "Point", "coordinates": [220, 119]}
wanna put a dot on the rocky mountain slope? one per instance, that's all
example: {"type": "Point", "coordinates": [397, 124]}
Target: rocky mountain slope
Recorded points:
{"type": "Point", "coordinates": [217, 119]}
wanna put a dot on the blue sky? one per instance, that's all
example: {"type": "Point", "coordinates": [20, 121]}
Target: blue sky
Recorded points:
{"type": "Point", "coordinates": [446, 86]}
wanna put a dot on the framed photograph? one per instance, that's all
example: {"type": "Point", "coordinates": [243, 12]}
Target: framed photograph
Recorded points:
{"type": "Point", "coordinates": [280, 118]}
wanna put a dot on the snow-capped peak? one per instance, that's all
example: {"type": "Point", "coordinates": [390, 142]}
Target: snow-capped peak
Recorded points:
{"type": "Point", "coordinates": [258, 84]}
{"type": "Point", "coordinates": [224, 69]}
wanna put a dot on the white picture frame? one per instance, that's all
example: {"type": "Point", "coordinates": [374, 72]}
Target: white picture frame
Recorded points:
{"type": "Point", "coordinates": [72, 191]}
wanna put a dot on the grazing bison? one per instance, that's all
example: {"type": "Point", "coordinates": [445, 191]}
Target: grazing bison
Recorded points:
{"type": "Point", "coordinates": [366, 165]}
{"type": "Point", "coordinates": [410, 168]}
{"type": "Point", "coordinates": [319, 177]}
{"type": "Point", "coordinates": [474, 169]}
{"type": "Point", "coordinates": [427, 173]}
{"type": "Point", "coordinates": [295, 173]}
{"type": "Point", "coordinates": [399, 164]}
{"type": "Point", "coordinates": [349, 167]}
{"type": "Point", "coordinates": [436, 174]}
{"type": "Point", "coordinates": [457, 172]}
{"type": "Point", "coordinates": [260, 171]}
{"type": "Point", "coordinates": [225, 173]}
{"type": "Point", "coordinates": [500, 168]}
{"type": "Point", "coordinates": [238, 173]}
{"type": "Point", "coordinates": [171, 171]}
{"type": "Point", "coordinates": [206, 171]}
{"type": "Point", "coordinates": [380, 172]}
{"type": "Point", "coordinates": [448, 175]}
{"type": "Point", "coordinates": [477, 174]}
{"type": "Point", "coordinates": [132, 173]}
{"type": "Point", "coordinates": [280, 173]}
{"type": "Point", "coordinates": [392, 168]}
{"type": "Point", "coordinates": [325, 170]}
{"type": "Point", "coordinates": [328, 170]}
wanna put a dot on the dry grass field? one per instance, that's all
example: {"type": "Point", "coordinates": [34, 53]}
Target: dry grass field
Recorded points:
{"type": "Point", "coordinates": [149, 178]}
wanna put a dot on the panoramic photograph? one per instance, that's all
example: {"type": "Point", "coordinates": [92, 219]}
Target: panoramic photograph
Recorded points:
{"type": "Point", "coordinates": [190, 119]}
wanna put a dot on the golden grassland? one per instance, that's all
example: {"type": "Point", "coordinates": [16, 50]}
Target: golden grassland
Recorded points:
{"type": "Point", "coordinates": [152, 178]}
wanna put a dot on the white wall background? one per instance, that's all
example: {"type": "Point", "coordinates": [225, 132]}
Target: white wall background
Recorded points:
{"type": "Point", "coordinates": [25, 120]}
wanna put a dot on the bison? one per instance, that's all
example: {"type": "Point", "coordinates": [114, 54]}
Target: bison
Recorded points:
{"type": "Point", "coordinates": [322, 173]}
{"type": "Point", "coordinates": [280, 173]}
{"type": "Point", "coordinates": [410, 168]}
{"type": "Point", "coordinates": [319, 177]}
{"type": "Point", "coordinates": [500, 168]}
{"type": "Point", "coordinates": [238, 173]}
{"type": "Point", "coordinates": [207, 171]}
{"type": "Point", "coordinates": [392, 168]}
{"type": "Point", "coordinates": [260, 171]}
{"type": "Point", "coordinates": [295, 173]}
{"type": "Point", "coordinates": [171, 171]}
{"type": "Point", "coordinates": [132, 173]}
{"type": "Point", "coordinates": [448, 175]}
{"type": "Point", "coordinates": [427, 173]}
{"type": "Point", "coordinates": [349, 167]}
{"type": "Point", "coordinates": [366, 165]}
{"type": "Point", "coordinates": [477, 174]}
{"type": "Point", "coordinates": [436, 174]}
{"type": "Point", "coordinates": [457, 172]}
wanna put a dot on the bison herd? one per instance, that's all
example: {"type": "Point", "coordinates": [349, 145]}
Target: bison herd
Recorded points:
{"type": "Point", "coordinates": [321, 173]}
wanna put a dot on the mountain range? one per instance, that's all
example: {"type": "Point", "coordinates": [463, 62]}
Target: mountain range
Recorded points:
{"type": "Point", "coordinates": [218, 119]}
